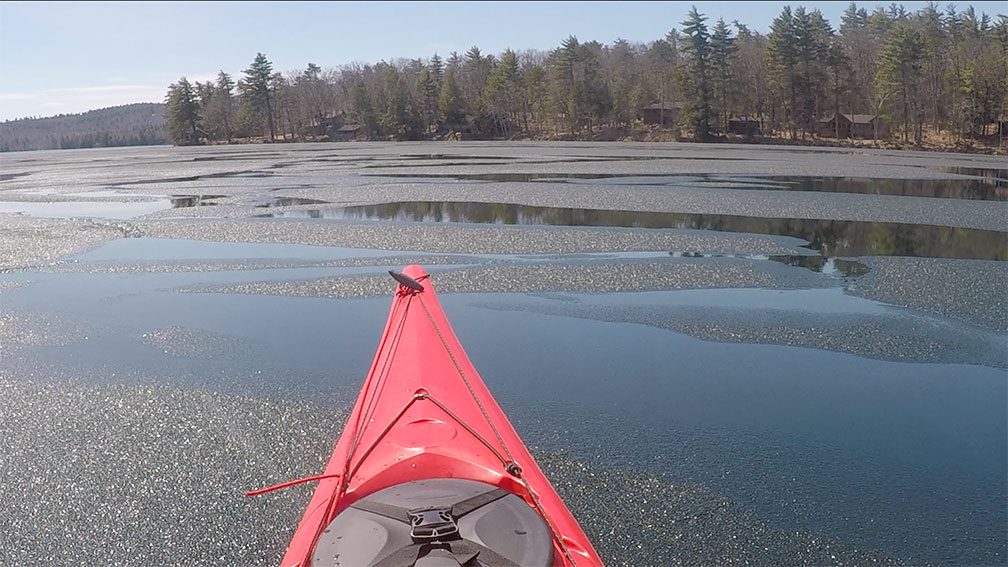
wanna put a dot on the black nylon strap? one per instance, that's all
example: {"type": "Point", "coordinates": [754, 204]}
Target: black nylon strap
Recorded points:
{"type": "Point", "coordinates": [459, 509]}
{"type": "Point", "coordinates": [483, 554]}
{"type": "Point", "coordinates": [468, 505]}
{"type": "Point", "coordinates": [397, 513]}
{"type": "Point", "coordinates": [465, 552]}
{"type": "Point", "coordinates": [402, 557]}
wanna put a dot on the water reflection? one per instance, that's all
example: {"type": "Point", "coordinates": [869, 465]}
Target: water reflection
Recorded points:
{"type": "Point", "coordinates": [184, 201]}
{"type": "Point", "coordinates": [452, 157]}
{"type": "Point", "coordinates": [830, 237]}
{"type": "Point", "coordinates": [822, 264]}
{"type": "Point", "coordinates": [825, 265]}
{"type": "Point", "coordinates": [998, 177]}
{"type": "Point", "coordinates": [290, 201]}
{"type": "Point", "coordinates": [989, 189]}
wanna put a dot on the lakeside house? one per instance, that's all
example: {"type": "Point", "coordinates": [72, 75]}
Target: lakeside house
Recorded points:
{"type": "Point", "coordinates": [345, 133]}
{"type": "Point", "coordinates": [853, 126]}
{"type": "Point", "coordinates": [745, 125]}
{"type": "Point", "coordinates": [660, 114]}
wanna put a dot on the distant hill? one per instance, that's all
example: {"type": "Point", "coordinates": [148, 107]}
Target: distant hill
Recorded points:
{"type": "Point", "coordinates": [139, 124]}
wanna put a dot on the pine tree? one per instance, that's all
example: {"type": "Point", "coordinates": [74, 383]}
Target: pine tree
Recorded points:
{"type": "Point", "coordinates": [782, 53]}
{"type": "Point", "coordinates": [437, 69]}
{"type": "Point", "coordinates": [394, 119]}
{"type": "Point", "coordinates": [450, 101]}
{"type": "Point", "coordinates": [257, 89]}
{"type": "Point", "coordinates": [597, 100]}
{"type": "Point", "coordinates": [900, 69]}
{"type": "Point", "coordinates": [698, 56]}
{"type": "Point", "coordinates": [363, 108]}
{"type": "Point", "coordinates": [427, 89]}
{"type": "Point", "coordinates": [311, 89]}
{"type": "Point", "coordinates": [182, 113]}
{"type": "Point", "coordinates": [502, 91]}
{"type": "Point", "coordinates": [816, 44]}
{"type": "Point", "coordinates": [853, 18]}
{"type": "Point", "coordinates": [536, 94]}
{"type": "Point", "coordinates": [665, 66]}
{"type": "Point", "coordinates": [723, 50]}
{"type": "Point", "coordinates": [224, 105]}
{"type": "Point", "coordinates": [567, 95]}
{"type": "Point", "coordinates": [621, 81]}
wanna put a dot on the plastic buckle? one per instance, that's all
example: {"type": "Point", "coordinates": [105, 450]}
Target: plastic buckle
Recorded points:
{"type": "Point", "coordinates": [432, 523]}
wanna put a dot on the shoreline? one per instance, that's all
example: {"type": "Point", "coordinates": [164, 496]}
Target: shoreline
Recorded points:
{"type": "Point", "coordinates": [628, 136]}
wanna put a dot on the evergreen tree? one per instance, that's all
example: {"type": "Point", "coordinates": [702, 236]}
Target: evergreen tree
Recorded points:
{"type": "Point", "coordinates": [816, 43]}
{"type": "Point", "coordinates": [782, 53]}
{"type": "Point", "coordinates": [900, 69]}
{"type": "Point", "coordinates": [450, 101]}
{"type": "Point", "coordinates": [364, 109]}
{"type": "Point", "coordinates": [698, 57]}
{"type": "Point", "coordinates": [436, 69]}
{"type": "Point", "coordinates": [257, 89]}
{"type": "Point", "coordinates": [566, 95]}
{"type": "Point", "coordinates": [536, 94]}
{"type": "Point", "coordinates": [394, 119]}
{"type": "Point", "coordinates": [224, 104]}
{"type": "Point", "coordinates": [622, 81]}
{"type": "Point", "coordinates": [311, 91]}
{"type": "Point", "coordinates": [454, 61]}
{"type": "Point", "coordinates": [596, 98]}
{"type": "Point", "coordinates": [853, 18]}
{"type": "Point", "coordinates": [427, 89]}
{"type": "Point", "coordinates": [722, 47]}
{"type": "Point", "coordinates": [665, 66]}
{"type": "Point", "coordinates": [182, 113]}
{"type": "Point", "coordinates": [502, 93]}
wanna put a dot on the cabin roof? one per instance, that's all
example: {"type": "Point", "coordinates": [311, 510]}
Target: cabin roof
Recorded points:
{"type": "Point", "coordinates": [854, 118]}
{"type": "Point", "coordinates": [666, 106]}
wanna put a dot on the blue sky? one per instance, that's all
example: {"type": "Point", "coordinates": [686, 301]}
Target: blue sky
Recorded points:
{"type": "Point", "coordinates": [58, 57]}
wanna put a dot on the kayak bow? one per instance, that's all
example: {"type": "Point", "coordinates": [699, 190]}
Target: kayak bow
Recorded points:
{"type": "Point", "coordinates": [428, 469]}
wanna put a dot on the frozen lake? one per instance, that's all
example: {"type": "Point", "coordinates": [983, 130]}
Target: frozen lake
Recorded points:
{"type": "Point", "coordinates": [740, 354]}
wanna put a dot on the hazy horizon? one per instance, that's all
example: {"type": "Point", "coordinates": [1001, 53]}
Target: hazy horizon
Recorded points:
{"type": "Point", "coordinates": [54, 63]}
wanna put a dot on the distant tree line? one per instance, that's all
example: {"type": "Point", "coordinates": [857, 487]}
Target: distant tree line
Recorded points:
{"type": "Point", "coordinates": [139, 124]}
{"type": "Point", "coordinates": [935, 71]}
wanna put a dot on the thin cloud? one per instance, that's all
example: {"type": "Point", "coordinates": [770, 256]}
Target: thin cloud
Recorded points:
{"type": "Point", "coordinates": [104, 89]}
{"type": "Point", "coordinates": [76, 99]}
{"type": "Point", "coordinates": [87, 97]}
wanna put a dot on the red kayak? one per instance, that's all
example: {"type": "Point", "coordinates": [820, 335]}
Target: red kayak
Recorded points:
{"type": "Point", "coordinates": [428, 470]}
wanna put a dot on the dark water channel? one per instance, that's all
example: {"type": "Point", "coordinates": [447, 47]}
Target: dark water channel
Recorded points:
{"type": "Point", "coordinates": [830, 237]}
{"type": "Point", "coordinates": [988, 186]}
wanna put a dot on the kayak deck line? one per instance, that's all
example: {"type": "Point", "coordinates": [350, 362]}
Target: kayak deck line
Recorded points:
{"type": "Point", "coordinates": [510, 466]}
{"type": "Point", "coordinates": [395, 450]}
{"type": "Point", "coordinates": [466, 382]}
{"type": "Point", "coordinates": [289, 483]}
{"type": "Point", "coordinates": [420, 395]}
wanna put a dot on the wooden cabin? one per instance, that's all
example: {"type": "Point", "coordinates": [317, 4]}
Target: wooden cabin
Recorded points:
{"type": "Point", "coordinates": [745, 126]}
{"type": "Point", "coordinates": [345, 133]}
{"type": "Point", "coordinates": [853, 126]}
{"type": "Point", "coordinates": [660, 114]}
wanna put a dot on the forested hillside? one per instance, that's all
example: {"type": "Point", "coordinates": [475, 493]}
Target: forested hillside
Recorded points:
{"type": "Point", "coordinates": [931, 78]}
{"type": "Point", "coordinates": [137, 124]}
{"type": "Point", "coordinates": [934, 74]}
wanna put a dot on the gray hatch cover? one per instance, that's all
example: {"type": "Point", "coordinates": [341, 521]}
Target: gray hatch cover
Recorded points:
{"type": "Point", "coordinates": [441, 522]}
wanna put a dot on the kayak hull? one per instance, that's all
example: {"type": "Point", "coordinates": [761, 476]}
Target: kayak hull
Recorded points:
{"type": "Point", "coordinates": [424, 413]}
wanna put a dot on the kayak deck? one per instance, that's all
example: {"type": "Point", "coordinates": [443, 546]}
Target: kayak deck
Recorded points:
{"type": "Point", "coordinates": [424, 414]}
